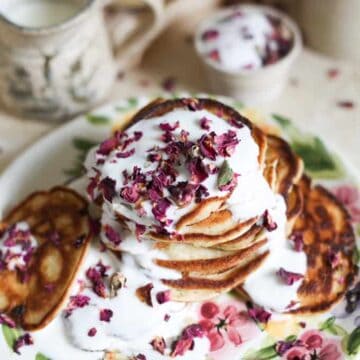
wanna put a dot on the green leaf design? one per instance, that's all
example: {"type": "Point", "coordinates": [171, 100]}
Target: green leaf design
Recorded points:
{"type": "Point", "coordinates": [331, 327]}
{"type": "Point", "coordinates": [40, 356]}
{"type": "Point", "coordinates": [10, 335]}
{"type": "Point", "coordinates": [83, 146]}
{"type": "Point", "coordinates": [266, 353]}
{"type": "Point", "coordinates": [225, 174]}
{"type": "Point", "coordinates": [353, 344]}
{"type": "Point", "coordinates": [318, 160]}
{"type": "Point", "coordinates": [131, 104]}
{"type": "Point", "coordinates": [98, 119]}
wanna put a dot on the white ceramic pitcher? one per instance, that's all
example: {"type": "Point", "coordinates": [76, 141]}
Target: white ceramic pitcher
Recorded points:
{"type": "Point", "coordinates": [58, 70]}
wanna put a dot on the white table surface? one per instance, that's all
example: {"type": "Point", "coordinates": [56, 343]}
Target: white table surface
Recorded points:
{"type": "Point", "coordinates": [310, 99]}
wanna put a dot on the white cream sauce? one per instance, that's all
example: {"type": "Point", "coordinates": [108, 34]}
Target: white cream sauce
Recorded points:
{"type": "Point", "coordinates": [128, 331]}
{"type": "Point", "coordinates": [133, 324]}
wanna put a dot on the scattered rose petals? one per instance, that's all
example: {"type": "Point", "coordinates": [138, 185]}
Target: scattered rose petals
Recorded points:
{"type": "Point", "coordinates": [269, 223]}
{"type": "Point", "coordinates": [23, 340]}
{"type": "Point", "coordinates": [259, 314]}
{"type": "Point", "coordinates": [163, 296]}
{"type": "Point", "coordinates": [169, 84]}
{"type": "Point", "coordinates": [76, 301]}
{"type": "Point", "coordinates": [107, 188]}
{"type": "Point", "coordinates": [139, 230]}
{"type": "Point", "coordinates": [206, 146]}
{"type": "Point", "coordinates": [130, 194]}
{"type": "Point", "coordinates": [169, 127]}
{"type": "Point", "coordinates": [92, 332]}
{"type": "Point", "coordinates": [158, 344]}
{"type": "Point", "coordinates": [205, 123]}
{"type": "Point", "coordinates": [183, 192]}
{"type": "Point", "coordinates": [159, 210]}
{"type": "Point", "coordinates": [112, 235]}
{"type": "Point", "coordinates": [289, 278]}
{"type": "Point", "coordinates": [140, 357]}
{"type": "Point", "coordinates": [197, 170]}
{"type": "Point", "coordinates": [226, 143]}
{"type": "Point", "coordinates": [106, 315]}
{"type": "Point", "coordinates": [333, 73]}
{"type": "Point", "coordinates": [209, 35]}
{"type": "Point", "coordinates": [186, 340]}
{"type": "Point", "coordinates": [298, 241]}
{"type": "Point", "coordinates": [346, 104]}
{"type": "Point", "coordinates": [125, 154]}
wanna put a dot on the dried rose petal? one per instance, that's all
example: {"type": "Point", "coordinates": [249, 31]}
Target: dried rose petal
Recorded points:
{"type": "Point", "coordinates": [226, 143]}
{"type": "Point", "coordinates": [333, 73]}
{"type": "Point", "coordinates": [107, 188]}
{"type": "Point", "coordinates": [6, 320]}
{"type": "Point", "coordinates": [197, 170]}
{"type": "Point", "coordinates": [236, 123]}
{"type": "Point", "coordinates": [297, 239]}
{"type": "Point", "coordinates": [209, 35]}
{"type": "Point", "coordinates": [112, 235]}
{"type": "Point", "coordinates": [205, 123]}
{"type": "Point", "coordinates": [158, 344]}
{"type": "Point", "coordinates": [169, 84]}
{"type": "Point", "coordinates": [76, 301]}
{"type": "Point", "coordinates": [125, 154]}
{"type": "Point", "coordinates": [167, 137]}
{"type": "Point", "coordinates": [106, 315]}
{"type": "Point", "coordinates": [186, 341]}
{"type": "Point", "coordinates": [269, 224]}
{"type": "Point", "coordinates": [139, 230]}
{"type": "Point", "coordinates": [138, 135]}
{"type": "Point", "coordinates": [259, 314]}
{"type": "Point", "coordinates": [140, 357]}
{"type": "Point", "coordinates": [107, 146]}
{"type": "Point", "coordinates": [154, 157]}
{"type": "Point", "coordinates": [130, 194]}
{"type": "Point", "coordinates": [201, 192]}
{"type": "Point", "coordinates": [289, 278]}
{"type": "Point", "coordinates": [206, 146]}
{"type": "Point", "coordinates": [346, 104]}
{"type": "Point", "coordinates": [183, 192]}
{"type": "Point", "coordinates": [214, 55]}
{"type": "Point", "coordinates": [163, 296]}
{"type": "Point", "coordinates": [144, 293]}
{"type": "Point", "coordinates": [23, 340]}
{"type": "Point", "coordinates": [169, 127]}
{"type": "Point", "coordinates": [159, 210]}
{"type": "Point", "coordinates": [92, 332]}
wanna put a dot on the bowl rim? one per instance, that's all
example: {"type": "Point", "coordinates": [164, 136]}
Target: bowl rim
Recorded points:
{"type": "Point", "coordinates": [289, 23]}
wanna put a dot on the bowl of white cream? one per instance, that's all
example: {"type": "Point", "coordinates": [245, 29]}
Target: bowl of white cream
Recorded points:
{"type": "Point", "coordinates": [247, 51]}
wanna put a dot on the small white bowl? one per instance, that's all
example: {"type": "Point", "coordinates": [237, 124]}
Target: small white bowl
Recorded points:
{"type": "Point", "coordinates": [254, 86]}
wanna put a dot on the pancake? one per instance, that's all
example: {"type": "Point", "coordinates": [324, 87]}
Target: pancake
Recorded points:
{"type": "Point", "coordinates": [329, 243]}
{"type": "Point", "coordinates": [58, 220]}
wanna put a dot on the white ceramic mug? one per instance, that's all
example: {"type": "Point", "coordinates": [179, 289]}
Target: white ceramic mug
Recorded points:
{"type": "Point", "coordinates": [56, 59]}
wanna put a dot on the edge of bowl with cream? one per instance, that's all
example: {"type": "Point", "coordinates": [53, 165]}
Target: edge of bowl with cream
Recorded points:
{"type": "Point", "coordinates": [247, 51]}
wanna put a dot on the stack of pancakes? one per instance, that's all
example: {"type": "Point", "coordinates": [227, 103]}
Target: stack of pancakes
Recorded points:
{"type": "Point", "coordinates": [215, 253]}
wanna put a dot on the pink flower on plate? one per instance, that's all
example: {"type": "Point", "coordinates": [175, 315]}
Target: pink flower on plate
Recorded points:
{"type": "Point", "coordinates": [312, 345]}
{"type": "Point", "coordinates": [350, 197]}
{"type": "Point", "coordinates": [226, 324]}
